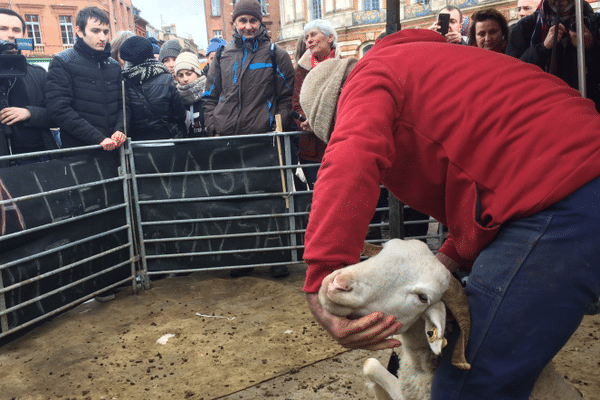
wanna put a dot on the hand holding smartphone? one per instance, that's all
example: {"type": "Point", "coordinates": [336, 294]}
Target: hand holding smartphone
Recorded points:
{"type": "Point", "coordinates": [444, 23]}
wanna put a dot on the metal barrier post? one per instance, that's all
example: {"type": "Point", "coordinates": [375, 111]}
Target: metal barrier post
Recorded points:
{"type": "Point", "coordinates": [143, 274]}
{"type": "Point", "coordinates": [291, 189]}
{"type": "Point", "coordinates": [3, 317]}
{"type": "Point", "coordinates": [125, 172]}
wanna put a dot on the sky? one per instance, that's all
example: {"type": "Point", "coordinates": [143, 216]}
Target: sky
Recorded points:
{"type": "Point", "coordinates": [187, 15]}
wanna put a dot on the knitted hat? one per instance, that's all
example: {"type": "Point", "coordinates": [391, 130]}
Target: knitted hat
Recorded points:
{"type": "Point", "coordinates": [136, 50]}
{"type": "Point", "coordinates": [247, 7]}
{"type": "Point", "coordinates": [155, 48]}
{"type": "Point", "coordinates": [320, 93]}
{"type": "Point", "coordinates": [214, 45]}
{"type": "Point", "coordinates": [170, 48]}
{"type": "Point", "coordinates": [187, 60]}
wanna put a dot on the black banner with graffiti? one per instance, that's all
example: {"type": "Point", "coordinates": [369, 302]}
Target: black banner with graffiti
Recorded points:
{"type": "Point", "coordinates": [33, 227]}
{"type": "Point", "coordinates": [234, 210]}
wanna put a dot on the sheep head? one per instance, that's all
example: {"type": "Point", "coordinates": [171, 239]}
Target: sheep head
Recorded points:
{"type": "Point", "coordinates": [404, 279]}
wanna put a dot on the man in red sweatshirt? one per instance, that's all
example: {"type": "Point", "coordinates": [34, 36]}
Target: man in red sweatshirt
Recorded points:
{"type": "Point", "coordinates": [503, 154]}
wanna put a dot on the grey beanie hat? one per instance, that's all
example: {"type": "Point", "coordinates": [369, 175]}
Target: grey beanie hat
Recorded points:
{"type": "Point", "coordinates": [170, 48]}
{"type": "Point", "coordinates": [320, 93]}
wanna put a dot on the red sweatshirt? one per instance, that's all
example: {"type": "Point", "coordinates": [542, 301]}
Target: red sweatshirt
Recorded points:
{"type": "Point", "coordinates": [471, 137]}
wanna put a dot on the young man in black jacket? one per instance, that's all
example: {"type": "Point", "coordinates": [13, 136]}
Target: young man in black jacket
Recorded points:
{"type": "Point", "coordinates": [83, 89]}
{"type": "Point", "coordinates": [26, 115]}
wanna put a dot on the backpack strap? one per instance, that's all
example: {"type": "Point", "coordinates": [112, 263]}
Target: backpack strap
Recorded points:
{"type": "Point", "coordinates": [219, 52]}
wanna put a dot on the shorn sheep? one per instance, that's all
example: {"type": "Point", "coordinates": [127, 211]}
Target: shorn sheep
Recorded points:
{"type": "Point", "coordinates": [405, 279]}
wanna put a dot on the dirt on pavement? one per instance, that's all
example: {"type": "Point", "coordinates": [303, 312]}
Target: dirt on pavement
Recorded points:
{"type": "Point", "coordinates": [254, 338]}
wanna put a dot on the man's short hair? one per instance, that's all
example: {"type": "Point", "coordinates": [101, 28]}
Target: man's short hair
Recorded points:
{"type": "Point", "coordinates": [450, 9]}
{"type": "Point", "coordinates": [15, 14]}
{"type": "Point", "coordinates": [87, 13]}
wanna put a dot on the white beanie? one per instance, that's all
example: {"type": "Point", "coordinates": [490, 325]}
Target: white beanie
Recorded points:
{"type": "Point", "coordinates": [187, 60]}
{"type": "Point", "coordinates": [320, 93]}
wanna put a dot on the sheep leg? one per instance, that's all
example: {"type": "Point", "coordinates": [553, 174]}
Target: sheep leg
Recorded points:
{"type": "Point", "coordinates": [387, 386]}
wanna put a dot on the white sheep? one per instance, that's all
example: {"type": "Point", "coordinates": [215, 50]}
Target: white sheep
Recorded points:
{"type": "Point", "coordinates": [405, 279]}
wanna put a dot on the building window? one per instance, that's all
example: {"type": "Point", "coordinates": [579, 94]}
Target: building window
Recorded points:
{"type": "Point", "coordinates": [263, 7]}
{"type": "Point", "coordinates": [216, 9]}
{"type": "Point", "coordinates": [316, 11]}
{"type": "Point", "coordinates": [33, 28]}
{"type": "Point", "coordinates": [66, 29]}
{"type": "Point", "coordinates": [371, 5]}
{"type": "Point", "coordinates": [218, 34]}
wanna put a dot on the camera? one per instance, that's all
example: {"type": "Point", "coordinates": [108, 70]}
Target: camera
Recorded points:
{"type": "Point", "coordinates": [12, 64]}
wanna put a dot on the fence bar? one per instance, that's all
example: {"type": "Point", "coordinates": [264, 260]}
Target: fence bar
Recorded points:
{"type": "Point", "coordinates": [64, 221]}
{"type": "Point", "coordinates": [125, 173]}
{"type": "Point", "coordinates": [62, 190]}
{"type": "Point", "coordinates": [580, 48]}
{"type": "Point", "coordinates": [69, 244]}
{"type": "Point", "coordinates": [63, 247]}
{"type": "Point", "coordinates": [142, 274]}
{"type": "Point", "coordinates": [70, 285]}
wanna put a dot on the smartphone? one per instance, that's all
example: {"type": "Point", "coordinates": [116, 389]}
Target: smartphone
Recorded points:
{"type": "Point", "coordinates": [443, 22]}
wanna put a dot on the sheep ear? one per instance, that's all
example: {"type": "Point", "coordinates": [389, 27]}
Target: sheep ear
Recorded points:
{"type": "Point", "coordinates": [435, 326]}
{"type": "Point", "coordinates": [370, 250]}
{"type": "Point", "coordinates": [456, 301]}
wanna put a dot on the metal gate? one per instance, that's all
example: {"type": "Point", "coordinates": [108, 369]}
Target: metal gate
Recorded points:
{"type": "Point", "coordinates": [66, 232]}
{"type": "Point", "coordinates": [85, 221]}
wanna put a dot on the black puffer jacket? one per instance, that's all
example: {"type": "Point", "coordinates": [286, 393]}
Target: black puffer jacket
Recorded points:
{"type": "Point", "coordinates": [156, 110]}
{"type": "Point", "coordinates": [83, 94]}
{"type": "Point", "coordinates": [33, 134]}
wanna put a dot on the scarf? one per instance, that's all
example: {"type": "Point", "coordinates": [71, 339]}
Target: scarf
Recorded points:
{"type": "Point", "coordinates": [314, 62]}
{"type": "Point", "coordinates": [192, 92]}
{"type": "Point", "coordinates": [546, 16]}
{"type": "Point", "coordinates": [140, 73]}
{"type": "Point", "coordinates": [96, 55]}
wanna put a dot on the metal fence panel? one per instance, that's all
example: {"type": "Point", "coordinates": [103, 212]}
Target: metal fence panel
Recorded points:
{"type": "Point", "coordinates": [218, 203]}
{"type": "Point", "coordinates": [65, 232]}
{"type": "Point", "coordinates": [227, 202]}
{"type": "Point", "coordinates": [79, 224]}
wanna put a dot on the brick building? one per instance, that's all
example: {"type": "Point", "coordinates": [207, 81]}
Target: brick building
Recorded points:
{"type": "Point", "coordinates": [52, 25]}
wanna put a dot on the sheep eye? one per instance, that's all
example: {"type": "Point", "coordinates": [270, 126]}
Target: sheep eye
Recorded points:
{"type": "Point", "coordinates": [422, 298]}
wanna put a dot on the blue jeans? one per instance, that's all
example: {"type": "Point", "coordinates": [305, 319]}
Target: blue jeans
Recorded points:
{"type": "Point", "coordinates": [528, 293]}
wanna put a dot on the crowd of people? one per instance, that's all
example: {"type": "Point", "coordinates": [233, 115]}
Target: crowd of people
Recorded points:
{"type": "Point", "coordinates": [251, 79]}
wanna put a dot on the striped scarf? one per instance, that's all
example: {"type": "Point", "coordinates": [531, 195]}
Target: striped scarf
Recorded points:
{"type": "Point", "coordinates": [546, 16]}
{"type": "Point", "coordinates": [140, 73]}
